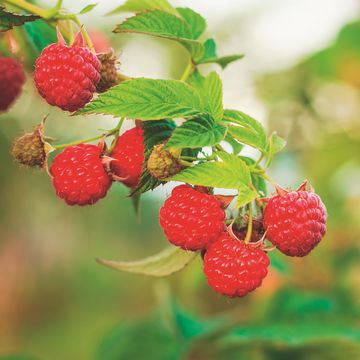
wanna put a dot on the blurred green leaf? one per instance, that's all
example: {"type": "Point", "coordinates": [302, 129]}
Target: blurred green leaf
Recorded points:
{"type": "Point", "coordinates": [87, 9]}
{"type": "Point", "coordinates": [292, 333]}
{"type": "Point", "coordinates": [40, 34]}
{"type": "Point", "coordinates": [144, 5]}
{"type": "Point", "coordinates": [278, 143]}
{"type": "Point", "coordinates": [196, 133]}
{"type": "Point", "coordinates": [195, 21]}
{"type": "Point", "coordinates": [231, 173]}
{"type": "Point", "coordinates": [149, 339]}
{"type": "Point", "coordinates": [9, 19]}
{"type": "Point", "coordinates": [165, 263]}
{"type": "Point", "coordinates": [147, 99]}
{"type": "Point", "coordinates": [164, 25]}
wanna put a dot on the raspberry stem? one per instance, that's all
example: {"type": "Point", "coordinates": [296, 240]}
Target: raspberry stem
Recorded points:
{"type": "Point", "coordinates": [117, 133]}
{"type": "Point", "coordinates": [250, 224]}
{"type": "Point", "coordinates": [188, 71]}
{"type": "Point", "coordinates": [77, 142]}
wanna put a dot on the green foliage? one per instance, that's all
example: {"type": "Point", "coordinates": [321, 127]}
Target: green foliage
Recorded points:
{"type": "Point", "coordinates": [166, 262]}
{"type": "Point", "coordinates": [40, 34]}
{"type": "Point", "coordinates": [133, 340]}
{"type": "Point", "coordinates": [144, 5]}
{"type": "Point", "coordinates": [196, 22]}
{"type": "Point", "coordinates": [9, 19]}
{"type": "Point", "coordinates": [210, 55]}
{"type": "Point", "coordinates": [87, 9]}
{"type": "Point", "coordinates": [245, 195]}
{"type": "Point", "coordinates": [230, 173]}
{"type": "Point", "coordinates": [162, 24]}
{"type": "Point", "coordinates": [198, 132]}
{"type": "Point", "coordinates": [249, 131]}
{"type": "Point", "coordinates": [148, 99]}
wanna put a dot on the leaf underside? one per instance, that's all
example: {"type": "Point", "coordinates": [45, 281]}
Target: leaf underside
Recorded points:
{"type": "Point", "coordinates": [165, 263]}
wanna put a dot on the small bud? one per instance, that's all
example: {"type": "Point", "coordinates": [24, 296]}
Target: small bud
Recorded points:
{"type": "Point", "coordinates": [31, 149]}
{"type": "Point", "coordinates": [164, 163]}
{"type": "Point", "coordinates": [108, 72]}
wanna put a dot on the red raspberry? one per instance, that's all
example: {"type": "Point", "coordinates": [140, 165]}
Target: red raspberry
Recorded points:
{"type": "Point", "coordinates": [234, 268]}
{"type": "Point", "coordinates": [12, 79]}
{"type": "Point", "coordinates": [129, 156]}
{"type": "Point", "coordinates": [295, 222]}
{"type": "Point", "coordinates": [67, 76]}
{"type": "Point", "coordinates": [191, 219]}
{"type": "Point", "coordinates": [79, 176]}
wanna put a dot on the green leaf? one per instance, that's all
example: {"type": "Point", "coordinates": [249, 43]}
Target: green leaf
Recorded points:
{"type": "Point", "coordinates": [278, 143]}
{"type": "Point", "coordinates": [144, 5]}
{"type": "Point", "coordinates": [167, 262]}
{"type": "Point", "coordinates": [195, 21]}
{"type": "Point", "coordinates": [210, 55]}
{"type": "Point", "coordinates": [197, 133]}
{"type": "Point", "coordinates": [210, 91]}
{"type": "Point", "coordinates": [87, 9]}
{"type": "Point", "coordinates": [148, 99]}
{"type": "Point", "coordinates": [156, 132]}
{"type": "Point", "coordinates": [157, 341]}
{"type": "Point", "coordinates": [294, 334]}
{"type": "Point", "coordinates": [257, 180]}
{"type": "Point", "coordinates": [245, 196]}
{"type": "Point", "coordinates": [40, 34]}
{"type": "Point", "coordinates": [9, 19]}
{"type": "Point", "coordinates": [230, 173]}
{"type": "Point", "coordinates": [236, 146]}
{"type": "Point", "coordinates": [164, 25]}
{"type": "Point", "coordinates": [223, 61]}
{"type": "Point", "coordinates": [249, 131]}
{"type": "Point", "coordinates": [213, 89]}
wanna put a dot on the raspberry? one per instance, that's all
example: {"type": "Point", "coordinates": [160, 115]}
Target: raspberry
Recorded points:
{"type": "Point", "coordinates": [79, 176]}
{"type": "Point", "coordinates": [31, 149]}
{"type": "Point", "coordinates": [128, 156]}
{"type": "Point", "coordinates": [67, 76]}
{"type": "Point", "coordinates": [191, 219]}
{"type": "Point", "coordinates": [234, 268]}
{"type": "Point", "coordinates": [295, 222]}
{"type": "Point", "coordinates": [163, 163]}
{"type": "Point", "coordinates": [12, 79]}
{"type": "Point", "coordinates": [109, 71]}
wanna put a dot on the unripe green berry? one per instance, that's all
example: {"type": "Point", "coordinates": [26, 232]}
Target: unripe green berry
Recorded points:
{"type": "Point", "coordinates": [163, 163]}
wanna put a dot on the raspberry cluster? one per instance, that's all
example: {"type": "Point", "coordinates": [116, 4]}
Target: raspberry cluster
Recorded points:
{"type": "Point", "coordinates": [192, 219]}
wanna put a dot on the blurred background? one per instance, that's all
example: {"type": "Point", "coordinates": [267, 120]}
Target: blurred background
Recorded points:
{"type": "Point", "coordinates": [301, 77]}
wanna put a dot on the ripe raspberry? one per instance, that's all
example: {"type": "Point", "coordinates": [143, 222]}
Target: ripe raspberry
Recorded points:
{"type": "Point", "coordinates": [79, 176]}
{"type": "Point", "coordinates": [128, 156]}
{"type": "Point", "coordinates": [234, 268]}
{"type": "Point", "coordinates": [191, 219]}
{"type": "Point", "coordinates": [12, 79]}
{"type": "Point", "coordinates": [295, 222]}
{"type": "Point", "coordinates": [67, 76]}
